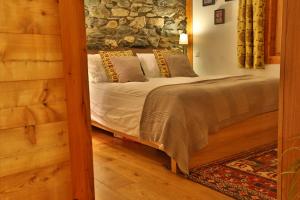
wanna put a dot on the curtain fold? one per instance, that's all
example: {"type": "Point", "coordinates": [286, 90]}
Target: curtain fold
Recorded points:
{"type": "Point", "coordinates": [251, 34]}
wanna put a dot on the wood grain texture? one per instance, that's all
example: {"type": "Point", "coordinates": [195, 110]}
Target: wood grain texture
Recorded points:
{"type": "Point", "coordinates": [126, 170]}
{"type": "Point", "coordinates": [34, 17]}
{"type": "Point", "coordinates": [76, 76]}
{"type": "Point", "coordinates": [23, 93]}
{"type": "Point", "coordinates": [189, 16]}
{"type": "Point", "coordinates": [273, 31]}
{"type": "Point", "coordinates": [279, 28]}
{"type": "Point", "coordinates": [48, 183]}
{"type": "Point", "coordinates": [34, 147]}
{"type": "Point", "coordinates": [33, 160]}
{"type": "Point", "coordinates": [32, 115]}
{"type": "Point", "coordinates": [248, 134]}
{"type": "Point", "coordinates": [28, 47]}
{"type": "Point", "coordinates": [15, 142]}
{"type": "Point", "coordinates": [30, 70]}
{"type": "Point", "coordinates": [254, 132]}
{"type": "Point", "coordinates": [289, 126]}
{"type": "Point", "coordinates": [125, 136]}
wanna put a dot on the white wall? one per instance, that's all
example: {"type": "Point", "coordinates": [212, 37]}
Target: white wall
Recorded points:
{"type": "Point", "coordinates": [215, 49]}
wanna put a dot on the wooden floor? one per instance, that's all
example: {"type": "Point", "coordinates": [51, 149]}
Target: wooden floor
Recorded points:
{"type": "Point", "coordinates": [125, 170]}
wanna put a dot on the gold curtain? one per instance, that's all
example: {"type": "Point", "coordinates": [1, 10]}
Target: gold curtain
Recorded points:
{"type": "Point", "coordinates": [251, 33]}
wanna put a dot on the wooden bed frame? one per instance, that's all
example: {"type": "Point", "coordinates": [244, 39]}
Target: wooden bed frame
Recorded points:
{"type": "Point", "coordinates": [243, 136]}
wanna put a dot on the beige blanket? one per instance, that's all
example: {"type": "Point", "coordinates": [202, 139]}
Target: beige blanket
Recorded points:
{"type": "Point", "coordinates": [180, 117]}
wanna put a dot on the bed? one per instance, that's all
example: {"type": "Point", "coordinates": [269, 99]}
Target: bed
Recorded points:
{"type": "Point", "coordinates": [193, 120]}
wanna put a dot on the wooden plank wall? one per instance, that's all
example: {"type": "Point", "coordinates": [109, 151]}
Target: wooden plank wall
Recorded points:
{"type": "Point", "coordinates": [289, 126]}
{"type": "Point", "coordinates": [34, 149]}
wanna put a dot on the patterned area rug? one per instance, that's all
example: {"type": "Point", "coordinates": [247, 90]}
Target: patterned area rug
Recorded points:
{"type": "Point", "coordinates": [251, 175]}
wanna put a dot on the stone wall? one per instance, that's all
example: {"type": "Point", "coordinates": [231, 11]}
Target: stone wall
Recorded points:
{"type": "Point", "coordinates": [134, 23]}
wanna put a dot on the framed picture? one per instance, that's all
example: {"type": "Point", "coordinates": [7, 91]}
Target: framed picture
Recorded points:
{"type": "Point", "coordinates": [208, 2]}
{"type": "Point", "coordinates": [220, 16]}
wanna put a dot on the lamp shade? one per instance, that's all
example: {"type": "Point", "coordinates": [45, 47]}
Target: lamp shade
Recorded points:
{"type": "Point", "coordinates": [183, 39]}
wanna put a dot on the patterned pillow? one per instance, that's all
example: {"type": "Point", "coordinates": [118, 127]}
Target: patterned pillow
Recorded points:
{"type": "Point", "coordinates": [108, 66]}
{"type": "Point", "coordinates": [160, 55]}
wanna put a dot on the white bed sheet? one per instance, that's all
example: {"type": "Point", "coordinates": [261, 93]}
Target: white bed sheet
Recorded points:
{"type": "Point", "coordinates": [119, 106]}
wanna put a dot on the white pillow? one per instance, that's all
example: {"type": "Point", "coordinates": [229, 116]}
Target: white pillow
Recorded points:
{"type": "Point", "coordinates": [149, 64]}
{"type": "Point", "coordinates": [96, 70]}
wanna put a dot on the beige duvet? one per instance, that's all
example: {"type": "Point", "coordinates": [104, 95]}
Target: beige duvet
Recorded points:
{"type": "Point", "coordinates": [180, 117]}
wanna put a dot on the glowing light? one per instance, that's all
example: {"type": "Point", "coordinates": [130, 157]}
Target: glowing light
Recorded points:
{"type": "Point", "coordinates": [183, 39]}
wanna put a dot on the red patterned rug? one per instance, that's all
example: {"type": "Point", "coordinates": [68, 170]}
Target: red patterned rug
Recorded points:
{"type": "Point", "coordinates": [251, 175]}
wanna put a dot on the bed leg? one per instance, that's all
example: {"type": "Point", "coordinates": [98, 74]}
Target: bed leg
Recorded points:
{"type": "Point", "coordinates": [173, 165]}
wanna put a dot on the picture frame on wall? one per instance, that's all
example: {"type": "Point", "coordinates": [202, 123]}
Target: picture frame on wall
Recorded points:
{"type": "Point", "coordinates": [208, 2]}
{"type": "Point", "coordinates": [219, 16]}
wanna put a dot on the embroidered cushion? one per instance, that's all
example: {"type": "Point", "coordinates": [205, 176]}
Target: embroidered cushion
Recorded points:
{"type": "Point", "coordinates": [107, 64]}
{"type": "Point", "coordinates": [160, 55]}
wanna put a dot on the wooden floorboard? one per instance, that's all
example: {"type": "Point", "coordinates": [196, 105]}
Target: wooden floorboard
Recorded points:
{"type": "Point", "coordinates": [129, 171]}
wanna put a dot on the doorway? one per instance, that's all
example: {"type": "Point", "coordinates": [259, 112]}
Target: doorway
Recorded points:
{"type": "Point", "coordinates": [77, 90]}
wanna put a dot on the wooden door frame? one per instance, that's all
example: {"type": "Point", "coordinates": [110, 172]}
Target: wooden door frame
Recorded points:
{"type": "Point", "coordinates": [289, 110]}
{"type": "Point", "coordinates": [271, 57]}
{"type": "Point", "coordinates": [75, 64]}
{"type": "Point", "coordinates": [73, 34]}
{"type": "Point", "coordinates": [189, 29]}
{"type": "Point", "coordinates": [73, 37]}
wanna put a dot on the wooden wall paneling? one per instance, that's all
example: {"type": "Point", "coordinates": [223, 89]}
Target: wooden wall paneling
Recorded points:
{"type": "Point", "coordinates": [75, 66]}
{"type": "Point", "coordinates": [32, 115]}
{"type": "Point", "coordinates": [22, 93]}
{"type": "Point", "coordinates": [51, 182]}
{"type": "Point", "coordinates": [189, 15]}
{"type": "Point", "coordinates": [34, 147]}
{"type": "Point", "coordinates": [30, 70]}
{"type": "Point", "coordinates": [20, 162]}
{"type": "Point", "coordinates": [14, 141]}
{"type": "Point", "coordinates": [20, 47]}
{"type": "Point", "coordinates": [34, 17]}
{"type": "Point", "coordinates": [289, 126]}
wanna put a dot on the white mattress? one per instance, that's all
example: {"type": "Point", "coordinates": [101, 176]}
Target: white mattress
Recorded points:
{"type": "Point", "coordinates": [119, 106]}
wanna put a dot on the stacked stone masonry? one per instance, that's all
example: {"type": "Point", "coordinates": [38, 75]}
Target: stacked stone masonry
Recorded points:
{"type": "Point", "coordinates": [114, 24]}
